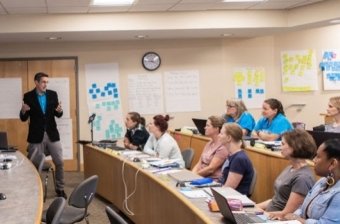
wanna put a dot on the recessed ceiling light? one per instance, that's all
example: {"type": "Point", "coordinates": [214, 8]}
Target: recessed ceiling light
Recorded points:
{"type": "Point", "coordinates": [53, 38]}
{"type": "Point", "coordinates": [111, 2]}
{"type": "Point", "coordinates": [335, 21]}
{"type": "Point", "coordinates": [226, 34]}
{"type": "Point", "coordinates": [244, 0]}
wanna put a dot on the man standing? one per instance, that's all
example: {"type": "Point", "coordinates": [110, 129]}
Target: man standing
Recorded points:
{"type": "Point", "coordinates": [41, 106]}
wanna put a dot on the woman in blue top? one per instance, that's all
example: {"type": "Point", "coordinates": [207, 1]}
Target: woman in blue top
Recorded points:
{"type": "Point", "coordinates": [237, 170]}
{"type": "Point", "coordinates": [321, 204]}
{"type": "Point", "coordinates": [273, 122]}
{"type": "Point", "coordinates": [237, 112]}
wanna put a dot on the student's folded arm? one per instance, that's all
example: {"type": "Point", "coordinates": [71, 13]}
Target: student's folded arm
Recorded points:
{"type": "Point", "coordinates": [263, 205]}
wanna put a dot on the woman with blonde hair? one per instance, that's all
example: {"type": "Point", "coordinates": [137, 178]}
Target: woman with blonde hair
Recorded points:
{"type": "Point", "coordinates": [237, 112]}
{"type": "Point", "coordinates": [214, 153]}
{"type": "Point", "coordinates": [237, 170]}
{"type": "Point", "coordinates": [334, 112]}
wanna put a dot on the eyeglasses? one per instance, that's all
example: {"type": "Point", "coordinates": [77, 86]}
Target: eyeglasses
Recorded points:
{"type": "Point", "coordinates": [231, 106]}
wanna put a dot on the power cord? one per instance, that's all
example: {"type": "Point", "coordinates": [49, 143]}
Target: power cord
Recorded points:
{"type": "Point", "coordinates": [126, 196]}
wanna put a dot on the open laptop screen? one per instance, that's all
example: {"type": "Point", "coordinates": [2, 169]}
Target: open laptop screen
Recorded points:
{"type": "Point", "coordinates": [200, 125]}
{"type": "Point", "coordinates": [321, 136]}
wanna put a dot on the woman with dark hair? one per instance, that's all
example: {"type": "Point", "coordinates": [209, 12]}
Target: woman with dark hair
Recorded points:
{"type": "Point", "coordinates": [237, 170]}
{"type": "Point", "coordinates": [237, 112]}
{"type": "Point", "coordinates": [322, 202]}
{"type": "Point", "coordinates": [273, 122]}
{"type": "Point", "coordinates": [136, 134]}
{"type": "Point", "coordinates": [160, 142]}
{"type": "Point", "coordinates": [214, 153]}
{"type": "Point", "coordinates": [294, 182]}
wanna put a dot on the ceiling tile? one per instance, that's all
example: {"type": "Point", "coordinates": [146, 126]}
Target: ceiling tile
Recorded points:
{"type": "Point", "coordinates": [150, 7]}
{"type": "Point", "coordinates": [26, 10]}
{"type": "Point", "coordinates": [68, 9]}
{"type": "Point", "coordinates": [23, 3]}
{"type": "Point", "coordinates": [74, 3]}
{"type": "Point", "coordinates": [95, 9]}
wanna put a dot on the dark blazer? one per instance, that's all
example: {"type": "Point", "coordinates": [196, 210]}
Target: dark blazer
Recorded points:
{"type": "Point", "coordinates": [38, 121]}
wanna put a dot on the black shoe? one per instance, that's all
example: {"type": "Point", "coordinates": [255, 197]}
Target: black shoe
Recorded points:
{"type": "Point", "coordinates": [61, 193]}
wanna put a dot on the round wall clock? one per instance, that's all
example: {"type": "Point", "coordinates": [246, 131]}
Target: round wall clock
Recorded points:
{"type": "Point", "coordinates": [151, 61]}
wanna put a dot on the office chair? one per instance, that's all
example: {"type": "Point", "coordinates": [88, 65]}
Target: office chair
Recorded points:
{"type": "Point", "coordinates": [114, 217]}
{"type": "Point", "coordinates": [47, 168]}
{"type": "Point", "coordinates": [252, 184]}
{"type": "Point", "coordinates": [299, 125]}
{"type": "Point", "coordinates": [188, 155]}
{"type": "Point", "coordinates": [54, 211]}
{"type": "Point", "coordinates": [38, 160]}
{"type": "Point", "coordinates": [78, 203]}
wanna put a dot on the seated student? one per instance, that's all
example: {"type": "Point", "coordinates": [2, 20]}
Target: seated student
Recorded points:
{"type": "Point", "coordinates": [334, 112]}
{"type": "Point", "coordinates": [136, 135]}
{"type": "Point", "coordinates": [160, 142]}
{"type": "Point", "coordinates": [294, 182]}
{"type": "Point", "coordinates": [237, 112]}
{"type": "Point", "coordinates": [322, 202]}
{"type": "Point", "coordinates": [237, 170]}
{"type": "Point", "coordinates": [274, 123]}
{"type": "Point", "coordinates": [214, 153]}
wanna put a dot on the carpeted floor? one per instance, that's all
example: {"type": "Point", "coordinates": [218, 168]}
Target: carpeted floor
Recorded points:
{"type": "Point", "coordinates": [97, 206]}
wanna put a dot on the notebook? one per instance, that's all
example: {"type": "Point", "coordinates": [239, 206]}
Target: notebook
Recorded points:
{"type": "Point", "coordinates": [4, 147]}
{"type": "Point", "coordinates": [234, 218]}
{"type": "Point", "coordinates": [200, 125]}
{"type": "Point", "coordinates": [321, 136]}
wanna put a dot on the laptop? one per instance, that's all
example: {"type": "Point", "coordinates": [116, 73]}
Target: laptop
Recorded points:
{"type": "Point", "coordinates": [200, 125]}
{"type": "Point", "coordinates": [234, 218]}
{"type": "Point", "coordinates": [4, 147]}
{"type": "Point", "coordinates": [321, 136]}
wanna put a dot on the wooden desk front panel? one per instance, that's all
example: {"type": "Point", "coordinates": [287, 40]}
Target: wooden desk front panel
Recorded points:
{"type": "Point", "coordinates": [153, 202]}
{"type": "Point", "coordinates": [268, 167]}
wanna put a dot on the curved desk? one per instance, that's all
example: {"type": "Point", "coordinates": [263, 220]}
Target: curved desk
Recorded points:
{"type": "Point", "coordinates": [156, 199]}
{"type": "Point", "coordinates": [268, 164]}
{"type": "Point", "coordinates": [23, 188]}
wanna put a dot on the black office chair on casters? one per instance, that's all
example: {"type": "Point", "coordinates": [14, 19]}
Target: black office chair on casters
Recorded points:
{"type": "Point", "coordinates": [114, 217]}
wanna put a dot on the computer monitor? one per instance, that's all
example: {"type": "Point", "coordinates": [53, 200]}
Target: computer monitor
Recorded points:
{"type": "Point", "coordinates": [200, 125]}
{"type": "Point", "coordinates": [321, 136]}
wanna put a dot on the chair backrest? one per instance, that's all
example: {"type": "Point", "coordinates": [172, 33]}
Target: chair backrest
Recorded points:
{"type": "Point", "coordinates": [38, 160]}
{"type": "Point", "coordinates": [55, 210]}
{"type": "Point", "coordinates": [299, 125]}
{"type": "Point", "coordinates": [188, 155]}
{"type": "Point", "coordinates": [253, 183]}
{"type": "Point", "coordinates": [114, 217]}
{"type": "Point", "coordinates": [83, 194]}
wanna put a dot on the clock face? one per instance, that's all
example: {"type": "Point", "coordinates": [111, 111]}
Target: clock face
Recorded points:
{"type": "Point", "coordinates": [151, 61]}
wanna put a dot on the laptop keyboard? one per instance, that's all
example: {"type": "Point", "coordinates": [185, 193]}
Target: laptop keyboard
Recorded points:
{"type": "Point", "coordinates": [247, 218]}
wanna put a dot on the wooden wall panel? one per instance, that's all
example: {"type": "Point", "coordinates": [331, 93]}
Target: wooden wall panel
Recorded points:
{"type": "Point", "coordinates": [16, 130]}
{"type": "Point", "coordinates": [26, 69]}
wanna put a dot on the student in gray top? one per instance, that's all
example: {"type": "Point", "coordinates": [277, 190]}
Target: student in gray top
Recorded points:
{"type": "Point", "coordinates": [294, 182]}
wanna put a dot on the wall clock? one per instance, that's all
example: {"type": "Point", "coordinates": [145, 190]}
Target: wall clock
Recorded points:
{"type": "Point", "coordinates": [151, 61]}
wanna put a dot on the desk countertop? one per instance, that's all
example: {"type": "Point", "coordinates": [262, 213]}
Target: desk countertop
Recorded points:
{"type": "Point", "coordinates": [22, 186]}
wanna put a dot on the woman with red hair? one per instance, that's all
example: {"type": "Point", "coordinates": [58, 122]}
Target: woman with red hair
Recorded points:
{"type": "Point", "coordinates": [161, 143]}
